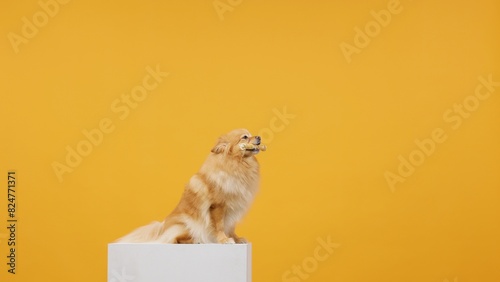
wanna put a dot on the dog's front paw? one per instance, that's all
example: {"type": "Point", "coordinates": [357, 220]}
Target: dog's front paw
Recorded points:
{"type": "Point", "coordinates": [227, 241]}
{"type": "Point", "coordinates": [241, 240]}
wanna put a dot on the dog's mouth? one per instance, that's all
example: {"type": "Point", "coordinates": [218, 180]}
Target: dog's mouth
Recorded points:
{"type": "Point", "coordinates": [255, 148]}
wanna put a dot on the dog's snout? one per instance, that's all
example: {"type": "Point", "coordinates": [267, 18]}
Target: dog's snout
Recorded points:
{"type": "Point", "coordinates": [257, 140]}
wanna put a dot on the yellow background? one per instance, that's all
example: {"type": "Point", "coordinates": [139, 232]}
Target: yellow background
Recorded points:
{"type": "Point", "coordinates": [323, 175]}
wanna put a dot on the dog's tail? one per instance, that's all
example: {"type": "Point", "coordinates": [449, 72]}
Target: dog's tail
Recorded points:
{"type": "Point", "coordinates": [155, 232]}
{"type": "Point", "coordinates": [143, 234]}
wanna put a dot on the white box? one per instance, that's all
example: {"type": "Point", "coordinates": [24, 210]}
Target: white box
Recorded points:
{"type": "Point", "coordinates": [179, 262]}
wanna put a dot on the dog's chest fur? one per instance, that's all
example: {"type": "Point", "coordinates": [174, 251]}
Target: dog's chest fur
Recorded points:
{"type": "Point", "coordinates": [233, 186]}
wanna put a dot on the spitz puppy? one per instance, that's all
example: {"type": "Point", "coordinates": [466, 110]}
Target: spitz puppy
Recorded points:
{"type": "Point", "coordinates": [214, 200]}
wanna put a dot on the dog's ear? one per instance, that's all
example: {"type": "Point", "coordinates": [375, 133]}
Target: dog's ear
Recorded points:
{"type": "Point", "coordinates": [220, 147]}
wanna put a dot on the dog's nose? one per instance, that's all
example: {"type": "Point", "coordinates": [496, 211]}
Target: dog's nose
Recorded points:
{"type": "Point", "coordinates": [257, 139]}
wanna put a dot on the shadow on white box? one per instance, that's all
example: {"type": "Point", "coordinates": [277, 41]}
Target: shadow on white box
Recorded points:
{"type": "Point", "coordinates": [179, 262]}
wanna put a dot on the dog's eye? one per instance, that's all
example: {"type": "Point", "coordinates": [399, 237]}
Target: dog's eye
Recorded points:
{"type": "Point", "coordinates": [244, 137]}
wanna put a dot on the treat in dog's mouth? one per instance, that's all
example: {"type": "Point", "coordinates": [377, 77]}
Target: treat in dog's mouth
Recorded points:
{"type": "Point", "coordinates": [252, 147]}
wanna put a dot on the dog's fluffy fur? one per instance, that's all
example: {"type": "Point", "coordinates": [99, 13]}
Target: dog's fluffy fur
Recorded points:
{"type": "Point", "coordinates": [214, 200]}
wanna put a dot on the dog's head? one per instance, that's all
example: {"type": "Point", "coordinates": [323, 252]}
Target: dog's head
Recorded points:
{"type": "Point", "coordinates": [238, 143]}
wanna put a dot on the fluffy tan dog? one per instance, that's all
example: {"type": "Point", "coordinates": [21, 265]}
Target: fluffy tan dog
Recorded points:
{"type": "Point", "coordinates": [215, 198]}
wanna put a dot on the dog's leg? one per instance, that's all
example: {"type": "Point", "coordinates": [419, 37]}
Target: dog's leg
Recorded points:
{"type": "Point", "coordinates": [174, 232]}
{"type": "Point", "coordinates": [184, 239]}
{"type": "Point", "coordinates": [237, 239]}
{"type": "Point", "coordinates": [217, 213]}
